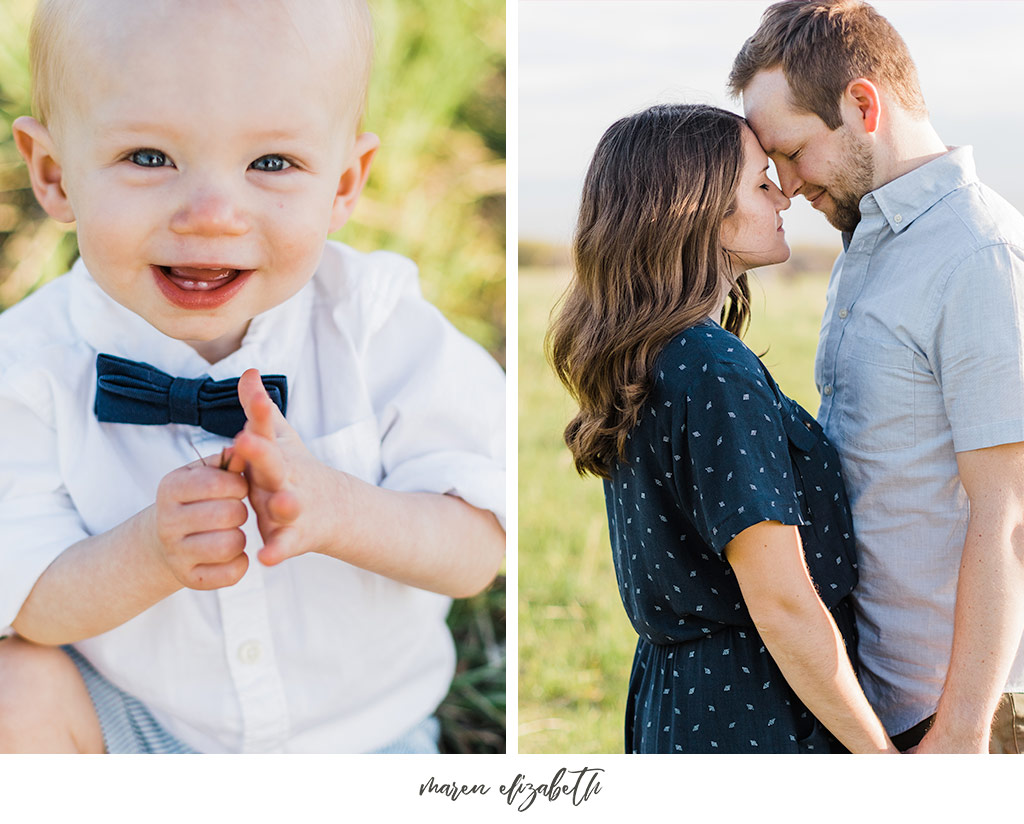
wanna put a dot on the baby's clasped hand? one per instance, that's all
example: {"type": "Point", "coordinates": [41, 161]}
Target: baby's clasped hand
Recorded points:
{"type": "Point", "coordinates": [294, 496]}
{"type": "Point", "coordinates": [198, 517]}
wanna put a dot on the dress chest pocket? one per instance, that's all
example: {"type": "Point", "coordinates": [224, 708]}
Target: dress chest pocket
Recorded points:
{"type": "Point", "coordinates": [354, 449]}
{"type": "Point", "coordinates": [876, 396]}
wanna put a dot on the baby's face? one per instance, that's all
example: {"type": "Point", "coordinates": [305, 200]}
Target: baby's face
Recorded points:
{"type": "Point", "coordinates": [202, 162]}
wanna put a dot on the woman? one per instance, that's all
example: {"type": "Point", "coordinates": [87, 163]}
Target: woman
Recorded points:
{"type": "Point", "coordinates": [728, 519]}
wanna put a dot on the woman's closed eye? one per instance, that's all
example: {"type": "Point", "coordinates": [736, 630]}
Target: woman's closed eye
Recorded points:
{"type": "Point", "coordinates": [149, 158]}
{"type": "Point", "coordinates": [270, 163]}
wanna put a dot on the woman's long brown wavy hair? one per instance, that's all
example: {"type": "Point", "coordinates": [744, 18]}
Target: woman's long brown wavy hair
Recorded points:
{"type": "Point", "coordinates": [648, 263]}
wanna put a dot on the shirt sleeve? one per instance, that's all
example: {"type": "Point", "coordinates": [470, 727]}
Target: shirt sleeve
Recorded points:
{"type": "Point", "coordinates": [37, 518]}
{"type": "Point", "coordinates": [735, 468]}
{"type": "Point", "coordinates": [978, 350]}
{"type": "Point", "coordinates": [441, 406]}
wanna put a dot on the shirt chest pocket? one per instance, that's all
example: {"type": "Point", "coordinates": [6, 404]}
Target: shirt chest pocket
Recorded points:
{"type": "Point", "coordinates": [876, 396]}
{"type": "Point", "coordinates": [354, 449]}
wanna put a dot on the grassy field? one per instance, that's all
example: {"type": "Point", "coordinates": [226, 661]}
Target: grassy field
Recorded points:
{"type": "Point", "coordinates": [575, 643]}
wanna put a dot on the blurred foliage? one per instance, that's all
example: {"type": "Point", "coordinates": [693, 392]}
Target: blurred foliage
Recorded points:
{"type": "Point", "coordinates": [473, 715]}
{"type": "Point", "coordinates": [437, 188]}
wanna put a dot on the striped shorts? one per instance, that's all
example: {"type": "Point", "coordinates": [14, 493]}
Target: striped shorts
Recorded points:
{"type": "Point", "coordinates": [129, 728]}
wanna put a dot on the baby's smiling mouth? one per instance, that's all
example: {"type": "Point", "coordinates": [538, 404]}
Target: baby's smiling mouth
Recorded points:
{"type": "Point", "coordinates": [202, 279]}
{"type": "Point", "coordinates": [200, 287]}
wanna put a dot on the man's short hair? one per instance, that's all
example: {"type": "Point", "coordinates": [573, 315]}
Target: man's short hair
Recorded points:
{"type": "Point", "coordinates": [821, 45]}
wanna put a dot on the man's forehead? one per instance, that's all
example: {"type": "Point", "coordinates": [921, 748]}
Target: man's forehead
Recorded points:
{"type": "Point", "coordinates": [768, 107]}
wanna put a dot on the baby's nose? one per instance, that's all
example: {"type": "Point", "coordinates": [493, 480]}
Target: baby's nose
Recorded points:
{"type": "Point", "coordinates": [207, 210]}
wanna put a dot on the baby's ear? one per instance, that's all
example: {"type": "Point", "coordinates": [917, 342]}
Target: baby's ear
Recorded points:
{"type": "Point", "coordinates": [353, 178]}
{"type": "Point", "coordinates": [36, 145]}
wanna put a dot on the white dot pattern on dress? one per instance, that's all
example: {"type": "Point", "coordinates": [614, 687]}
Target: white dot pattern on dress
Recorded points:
{"type": "Point", "coordinates": [732, 451]}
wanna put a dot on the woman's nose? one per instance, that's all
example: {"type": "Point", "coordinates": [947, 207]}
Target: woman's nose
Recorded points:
{"type": "Point", "coordinates": [208, 209]}
{"type": "Point", "coordinates": [782, 200]}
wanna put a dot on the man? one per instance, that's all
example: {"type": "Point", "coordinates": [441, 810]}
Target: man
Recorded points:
{"type": "Point", "coordinates": [920, 366]}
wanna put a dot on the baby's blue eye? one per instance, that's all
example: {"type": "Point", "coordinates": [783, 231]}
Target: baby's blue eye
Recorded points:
{"type": "Point", "coordinates": [270, 163]}
{"type": "Point", "coordinates": [149, 158]}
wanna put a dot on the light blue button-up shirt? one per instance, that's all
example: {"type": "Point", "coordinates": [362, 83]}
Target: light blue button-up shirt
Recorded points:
{"type": "Point", "coordinates": [921, 356]}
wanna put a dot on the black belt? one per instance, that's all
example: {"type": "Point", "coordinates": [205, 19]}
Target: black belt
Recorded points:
{"type": "Point", "coordinates": [911, 738]}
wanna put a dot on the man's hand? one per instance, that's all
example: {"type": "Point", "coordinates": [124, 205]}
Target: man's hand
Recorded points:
{"type": "Point", "coordinates": [294, 496]}
{"type": "Point", "coordinates": [198, 516]}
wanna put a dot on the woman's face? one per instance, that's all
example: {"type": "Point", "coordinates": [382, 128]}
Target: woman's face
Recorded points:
{"type": "Point", "coordinates": [752, 234]}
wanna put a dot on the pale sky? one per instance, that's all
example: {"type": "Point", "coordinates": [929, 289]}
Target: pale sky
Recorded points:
{"type": "Point", "coordinates": [585, 63]}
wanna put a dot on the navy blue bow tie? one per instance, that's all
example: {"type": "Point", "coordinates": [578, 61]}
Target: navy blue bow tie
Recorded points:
{"type": "Point", "coordinates": [131, 392]}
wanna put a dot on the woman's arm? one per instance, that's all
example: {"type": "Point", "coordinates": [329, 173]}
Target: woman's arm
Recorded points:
{"type": "Point", "coordinates": [801, 635]}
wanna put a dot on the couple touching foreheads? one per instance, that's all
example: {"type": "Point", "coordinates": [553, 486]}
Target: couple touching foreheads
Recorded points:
{"type": "Point", "coordinates": [853, 582]}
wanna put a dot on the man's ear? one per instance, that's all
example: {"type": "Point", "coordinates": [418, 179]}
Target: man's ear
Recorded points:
{"type": "Point", "coordinates": [35, 143]}
{"type": "Point", "coordinates": [863, 96]}
{"type": "Point", "coordinates": [353, 178]}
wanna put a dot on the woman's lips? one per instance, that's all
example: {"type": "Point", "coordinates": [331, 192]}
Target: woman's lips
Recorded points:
{"type": "Point", "coordinates": [199, 287]}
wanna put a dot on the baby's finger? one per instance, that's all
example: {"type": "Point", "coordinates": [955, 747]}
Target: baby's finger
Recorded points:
{"type": "Point", "coordinates": [215, 547]}
{"type": "Point", "coordinates": [281, 546]}
{"type": "Point", "coordinates": [264, 460]}
{"type": "Point", "coordinates": [229, 462]}
{"type": "Point", "coordinates": [216, 576]}
{"type": "Point", "coordinates": [284, 507]}
{"type": "Point", "coordinates": [196, 482]}
{"type": "Point", "coordinates": [212, 514]}
{"type": "Point", "coordinates": [262, 414]}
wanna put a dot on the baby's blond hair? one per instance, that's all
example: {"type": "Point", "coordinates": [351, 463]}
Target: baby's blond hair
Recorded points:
{"type": "Point", "coordinates": [56, 24]}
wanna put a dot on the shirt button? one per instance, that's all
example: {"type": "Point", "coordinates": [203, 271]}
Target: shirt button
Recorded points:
{"type": "Point", "coordinates": [897, 218]}
{"type": "Point", "coordinates": [250, 652]}
{"type": "Point", "coordinates": [827, 389]}
{"type": "Point", "coordinates": [843, 313]}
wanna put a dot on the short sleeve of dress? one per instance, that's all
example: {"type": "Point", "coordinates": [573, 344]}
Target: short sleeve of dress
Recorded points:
{"type": "Point", "coordinates": [733, 468]}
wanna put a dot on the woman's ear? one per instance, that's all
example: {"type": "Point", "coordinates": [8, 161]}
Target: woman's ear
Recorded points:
{"type": "Point", "coordinates": [353, 179]}
{"type": "Point", "coordinates": [35, 143]}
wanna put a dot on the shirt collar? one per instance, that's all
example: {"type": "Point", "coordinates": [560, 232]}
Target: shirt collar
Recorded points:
{"type": "Point", "coordinates": [273, 342]}
{"type": "Point", "coordinates": [903, 200]}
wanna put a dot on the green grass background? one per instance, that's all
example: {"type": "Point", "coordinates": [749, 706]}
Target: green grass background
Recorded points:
{"type": "Point", "coordinates": [575, 642]}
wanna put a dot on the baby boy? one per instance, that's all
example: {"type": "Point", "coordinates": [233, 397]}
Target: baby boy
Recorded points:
{"type": "Point", "coordinates": [286, 591]}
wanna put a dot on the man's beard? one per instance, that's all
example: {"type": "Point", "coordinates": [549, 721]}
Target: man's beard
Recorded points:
{"type": "Point", "coordinates": [853, 179]}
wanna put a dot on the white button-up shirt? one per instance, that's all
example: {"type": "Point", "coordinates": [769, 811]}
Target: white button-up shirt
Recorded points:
{"type": "Point", "coordinates": [312, 655]}
{"type": "Point", "coordinates": [921, 356]}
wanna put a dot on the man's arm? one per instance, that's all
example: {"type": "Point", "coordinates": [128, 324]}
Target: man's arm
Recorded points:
{"type": "Point", "coordinates": [989, 616]}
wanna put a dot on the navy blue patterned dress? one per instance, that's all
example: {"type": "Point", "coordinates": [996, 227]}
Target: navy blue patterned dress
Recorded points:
{"type": "Point", "coordinates": [719, 448]}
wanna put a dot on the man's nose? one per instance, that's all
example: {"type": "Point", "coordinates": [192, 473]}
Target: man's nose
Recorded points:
{"type": "Point", "coordinates": [789, 181]}
{"type": "Point", "coordinates": [209, 209]}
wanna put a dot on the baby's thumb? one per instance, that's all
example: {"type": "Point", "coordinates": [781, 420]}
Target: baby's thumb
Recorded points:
{"type": "Point", "coordinates": [261, 412]}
